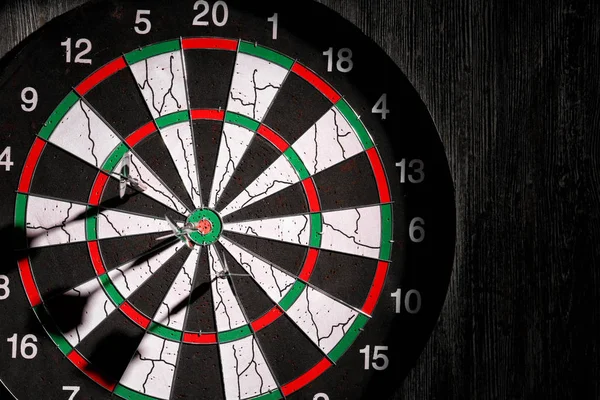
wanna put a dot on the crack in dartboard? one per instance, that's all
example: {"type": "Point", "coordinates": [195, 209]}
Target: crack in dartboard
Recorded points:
{"type": "Point", "coordinates": [106, 302]}
{"type": "Point", "coordinates": [124, 278]}
{"type": "Point", "coordinates": [253, 361]}
{"type": "Point", "coordinates": [62, 225]}
{"type": "Point", "coordinates": [169, 91]}
{"type": "Point", "coordinates": [341, 324]}
{"type": "Point", "coordinates": [89, 135]}
{"type": "Point", "coordinates": [316, 148]}
{"type": "Point", "coordinates": [306, 220]}
{"type": "Point", "coordinates": [218, 193]}
{"type": "Point", "coordinates": [251, 230]}
{"type": "Point", "coordinates": [281, 291]}
{"type": "Point", "coordinates": [357, 220]}
{"type": "Point", "coordinates": [188, 276]}
{"type": "Point", "coordinates": [256, 90]}
{"type": "Point", "coordinates": [168, 313]}
{"type": "Point", "coordinates": [353, 238]}
{"type": "Point", "coordinates": [188, 169]}
{"type": "Point", "coordinates": [252, 197]}
{"type": "Point", "coordinates": [142, 358]}
{"type": "Point", "coordinates": [110, 223]}
{"type": "Point", "coordinates": [338, 135]}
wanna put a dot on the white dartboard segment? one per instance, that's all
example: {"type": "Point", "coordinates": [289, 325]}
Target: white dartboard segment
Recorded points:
{"type": "Point", "coordinates": [327, 143]}
{"type": "Point", "coordinates": [96, 309]}
{"type": "Point", "coordinates": [254, 85]}
{"type": "Point", "coordinates": [173, 309]}
{"type": "Point", "coordinates": [323, 319]}
{"type": "Point", "coordinates": [277, 177]}
{"type": "Point", "coordinates": [294, 229]}
{"type": "Point", "coordinates": [54, 222]}
{"type": "Point", "coordinates": [245, 371]}
{"type": "Point", "coordinates": [130, 276]}
{"type": "Point", "coordinates": [180, 143]}
{"type": "Point", "coordinates": [353, 231]}
{"type": "Point", "coordinates": [82, 133]}
{"type": "Point", "coordinates": [152, 368]}
{"type": "Point", "coordinates": [162, 83]}
{"type": "Point", "coordinates": [272, 280]}
{"type": "Point", "coordinates": [111, 224]}
{"type": "Point", "coordinates": [228, 311]}
{"type": "Point", "coordinates": [234, 143]}
{"type": "Point", "coordinates": [154, 187]}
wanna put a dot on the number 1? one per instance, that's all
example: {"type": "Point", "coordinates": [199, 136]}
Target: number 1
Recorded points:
{"type": "Point", "coordinates": [275, 20]}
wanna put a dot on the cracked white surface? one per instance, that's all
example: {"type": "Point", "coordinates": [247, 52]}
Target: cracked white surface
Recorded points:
{"type": "Point", "coordinates": [162, 83]}
{"type": "Point", "coordinates": [234, 143]}
{"type": "Point", "coordinates": [245, 372]}
{"type": "Point", "coordinates": [128, 277]}
{"type": "Point", "coordinates": [322, 318]}
{"type": "Point", "coordinates": [82, 133]}
{"type": "Point", "coordinates": [277, 177]}
{"type": "Point", "coordinates": [228, 311]}
{"type": "Point", "coordinates": [353, 231]}
{"type": "Point", "coordinates": [273, 281]}
{"type": "Point", "coordinates": [180, 143]}
{"type": "Point", "coordinates": [327, 143]}
{"type": "Point", "coordinates": [53, 222]}
{"type": "Point", "coordinates": [115, 223]}
{"type": "Point", "coordinates": [293, 229]}
{"type": "Point", "coordinates": [254, 86]}
{"type": "Point", "coordinates": [178, 295]}
{"type": "Point", "coordinates": [152, 368]}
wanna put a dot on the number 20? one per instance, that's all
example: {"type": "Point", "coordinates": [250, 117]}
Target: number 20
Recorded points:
{"type": "Point", "coordinates": [215, 13]}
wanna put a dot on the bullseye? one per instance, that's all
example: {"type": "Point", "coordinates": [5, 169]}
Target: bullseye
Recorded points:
{"type": "Point", "coordinates": [207, 224]}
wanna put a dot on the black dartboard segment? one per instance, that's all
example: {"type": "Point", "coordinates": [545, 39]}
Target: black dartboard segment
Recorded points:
{"type": "Point", "coordinates": [216, 200]}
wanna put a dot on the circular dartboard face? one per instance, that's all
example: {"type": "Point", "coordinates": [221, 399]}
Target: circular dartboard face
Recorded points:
{"type": "Point", "coordinates": [215, 200]}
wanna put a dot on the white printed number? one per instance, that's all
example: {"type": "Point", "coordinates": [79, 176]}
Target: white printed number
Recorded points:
{"type": "Point", "coordinates": [381, 107]}
{"type": "Point", "coordinates": [28, 349]}
{"type": "Point", "coordinates": [275, 20]}
{"type": "Point", "coordinates": [5, 160]}
{"type": "Point", "coordinates": [143, 25]}
{"type": "Point", "coordinates": [29, 96]}
{"type": "Point", "coordinates": [416, 230]}
{"type": "Point", "coordinates": [73, 389]}
{"type": "Point", "coordinates": [344, 62]}
{"type": "Point", "coordinates": [4, 289]}
{"type": "Point", "coordinates": [220, 13]}
{"type": "Point", "coordinates": [411, 303]}
{"type": "Point", "coordinates": [415, 173]}
{"type": "Point", "coordinates": [321, 396]}
{"type": "Point", "coordinates": [84, 44]}
{"type": "Point", "coordinates": [379, 361]}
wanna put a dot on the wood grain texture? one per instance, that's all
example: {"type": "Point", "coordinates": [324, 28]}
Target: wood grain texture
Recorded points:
{"type": "Point", "coordinates": [513, 88]}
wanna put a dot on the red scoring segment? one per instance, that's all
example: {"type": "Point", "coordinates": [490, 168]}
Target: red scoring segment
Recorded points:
{"type": "Point", "coordinates": [273, 138]}
{"type": "Point", "coordinates": [84, 366]}
{"type": "Point", "coordinates": [93, 80]}
{"type": "Point", "coordinates": [317, 82]}
{"type": "Point", "coordinates": [141, 134]}
{"type": "Point", "coordinates": [380, 177]}
{"type": "Point", "coordinates": [376, 287]}
{"type": "Point", "coordinates": [29, 283]}
{"type": "Point", "coordinates": [209, 43]}
{"type": "Point", "coordinates": [306, 378]}
{"type": "Point", "coordinates": [30, 164]}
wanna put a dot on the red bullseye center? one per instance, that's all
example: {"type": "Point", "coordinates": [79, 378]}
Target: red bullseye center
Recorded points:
{"type": "Point", "coordinates": [204, 226]}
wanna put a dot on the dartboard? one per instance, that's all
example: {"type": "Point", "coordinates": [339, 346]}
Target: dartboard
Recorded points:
{"type": "Point", "coordinates": [215, 200]}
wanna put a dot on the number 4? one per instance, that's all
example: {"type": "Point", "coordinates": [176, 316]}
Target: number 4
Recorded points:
{"type": "Point", "coordinates": [5, 160]}
{"type": "Point", "coordinates": [381, 107]}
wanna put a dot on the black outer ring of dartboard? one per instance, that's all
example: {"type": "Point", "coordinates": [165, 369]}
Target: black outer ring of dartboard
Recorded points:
{"type": "Point", "coordinates": [413, 195]}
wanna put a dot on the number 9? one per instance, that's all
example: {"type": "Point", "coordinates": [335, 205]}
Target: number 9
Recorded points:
{"type": "Point", "coordinates": [29, 97]}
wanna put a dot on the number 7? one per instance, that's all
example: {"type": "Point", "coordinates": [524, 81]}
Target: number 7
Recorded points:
{"type": "Point", "coordinates": [74, 389]}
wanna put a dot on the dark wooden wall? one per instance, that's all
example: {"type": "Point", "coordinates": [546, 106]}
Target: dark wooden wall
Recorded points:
{"type": "Point", "coordinates": [513, 87]}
